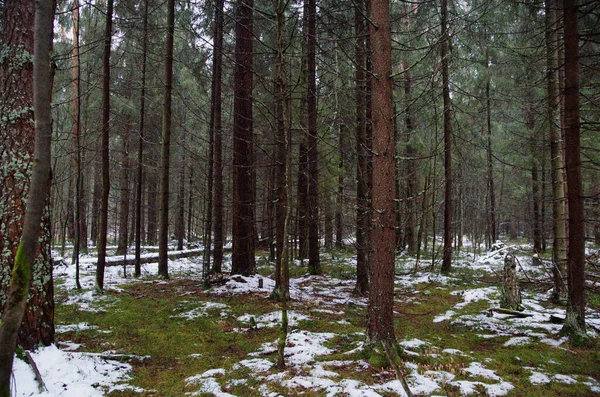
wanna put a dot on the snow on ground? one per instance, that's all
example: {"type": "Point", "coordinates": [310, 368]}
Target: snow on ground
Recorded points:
{"type": "Point", "coordinates": [70, 374]}
{"type": "Point", "coordinates": [78, 374]}
{"type": "Point", "coordinates": [273, 319]}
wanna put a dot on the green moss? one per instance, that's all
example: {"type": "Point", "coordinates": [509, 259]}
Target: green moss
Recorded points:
{"type": "Point", "coordinates": [21, 273]}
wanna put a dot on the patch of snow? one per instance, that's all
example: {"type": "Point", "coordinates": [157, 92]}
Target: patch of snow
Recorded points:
{"type": "Point", "coordinates": [518, 341]}
{"type": "Point", "coordinates": [273, 319]}
{"type": "Point", "coordinates": [70, 374]}
{"type": "Point", "coordinates": [538, 378]}
{"type": "Point", "coordinates": [443, 317]}
{"type": "Point", "coordinates": [477, 369]}
{"type": "Point", "coordinates": [414, 343]}
{"type": "Point", "coordinates": [569, 380]}
{"type": "Point", "coordinates": [256, 365]}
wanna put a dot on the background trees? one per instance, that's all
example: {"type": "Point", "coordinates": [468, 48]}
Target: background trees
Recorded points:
{"type": "Point", "coordinates": [471, 81]}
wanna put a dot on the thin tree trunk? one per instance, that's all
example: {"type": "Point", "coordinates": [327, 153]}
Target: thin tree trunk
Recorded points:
{"type": "Point", "coordinates": [243, 260]}
{"type": "Point", "coordinates": [123, 239]}
{"type": "Point", "coordinates": [218, 139]}
{"type": "Point", "coordinates": [575, 319]}
{"type": "Point", "coordinates": [314, 263]}
{"type": "Point", "coordinates": [76, 104]}
{"type": "Point", "coordinates": [362, 150]}
{"type": "Point", "coordinates": [490, 158]}
{"type": "Point", "coordinates": [103, 227]}
{"type": "Point", "coordinates": [39, 189]}
{"type": "Point", "coordinates": [180, 225]}
{"type": "Point", "coordinates": [559, 213]}
{"type": "Point", "coordinates": [165, 155]}
{"type": "Point", "coordinates": [140, 165]}
{"type": "Point", "coordinates": [339, 203]}
{"type": "Point", "coordinates": [447, 259]}
{"type": "Point", "coordinates": [282, 169]}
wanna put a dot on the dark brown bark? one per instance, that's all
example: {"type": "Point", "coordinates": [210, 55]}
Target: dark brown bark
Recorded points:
{"type": "Point", "coordinates": [559, 248]}
{"type": "Point", "coordinates": [243, 260]}
{"type": "Point", "coordinates": [314, 262]}
{"type": "Point", "coordinates": [140, 156]}
{"type": "Point", "coordinates": [218, 140]}
{"type": "Point", "coordinates": [37, 200]}
{"type": "Point", "coordinates": [380, 326]}
{"type": "Point", "coordinates": [490, 158]}
{"type": "Point", "coordinates": [165, 155]}
{"type": "Point", "coordinates": [535, 182]}
{"type": "Point", "coordinates": [103, 221]}
{"type": "Point", "coordinates": [445, 39]}
{"type": "Point", "coordinates": [180, 223]}
{"type": "Point", "coordinates": [363, 222]}
{"type": "Point", "coordinates": [339, 203]}
{"type": "Point", "coordinates": [76, 105]}
{"type": "Point", "coordinates": [123, 238]}
{"type": "Point", "coordinates": [575, 319]}
{"type": "Point", "coordinates": [281, 164]}
{"type": "Point", "coordinates": [412, 182]}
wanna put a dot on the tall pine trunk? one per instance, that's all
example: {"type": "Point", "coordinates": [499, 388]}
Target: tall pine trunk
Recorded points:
{"type": "Point", "coordinates": [243, 261]}
{"type": "Point", "coordinates": [140, 156]}
{"type": "Point", "coordinates": [445, 42]}
{"type": "Point", "coordinates": [314, 263]}
{"type": "Point", "coordinates": [363, 223]}
{"type": "Point", "coordinates": [575, 321]}
{"type": "Point", "coordinates": [559, 213]}
{"type": "Point", "coordinates": [380, 326]}
{"type": "Point", "coordinates": [103, 222]}
{"type": "Point", "coordinates": [165, 155]}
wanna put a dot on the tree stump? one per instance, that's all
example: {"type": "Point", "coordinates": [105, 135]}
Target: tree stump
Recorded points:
{"type": "Point", "coordinates": [511, 293]}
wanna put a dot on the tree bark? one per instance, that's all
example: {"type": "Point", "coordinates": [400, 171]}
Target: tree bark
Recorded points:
{"type": "Point", "coordinates": [76, 106]}
{"type": "Point", "coordinates": [314, 262]}
{"type": "Point", "coordinates": [380, 326]}
{"type": "Point", "coordinates": [363, 223]}
{"type": "Point", "coordinates": [575, 319]}
{"type": "Point", "coordinates": [103, 226]}
{"type": "Point", "coordinates": [447, 259]}
{"type": "Point", "coordinates": [140, 157]}
{"type": "Point", "coordinates": [165, 155]}
{"type": "Point", "coordinates": [559, 215]}
{"type": "Point", "coordinates": [218, 140]}
{"type": "Point", "coordinates": [37, 199]}
{"type": "Point", "coordinates": [243, 260]}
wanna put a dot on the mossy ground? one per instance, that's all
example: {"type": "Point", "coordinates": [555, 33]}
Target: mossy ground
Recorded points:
{"type": "Point", "coordinates": [143, 320]}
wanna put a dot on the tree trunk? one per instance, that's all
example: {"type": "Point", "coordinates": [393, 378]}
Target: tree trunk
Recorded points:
{"type": "Point", "coordinates": [339, 202]}
{"type": "Point", "coordinates": [123, 239]}
{"type": "Point", "coordinates": [180, 223]}
{"type": "Point", "coordinates": [314, 263]}
{"type": "Point", "coordinates": [218, 140]}
{"type": "Point", "coordinates": [447, 259]}
{"type": "Point", "coordinates": [37, 199]}
{"type": "Point", "coordinates": [575, 319]}
{"type": "Point", "coordinates": [559, 215]}
{"type": "Point", "coordinates": [140, 165]}
{"type": "Point", "coordinates": [165, 155]}
{"type": "Point", "coordinates": [103, 226]}
{"type": "Point", "coordinates": [490, 157]}
{"type": "Point", "coordinates": [76, 105]}
{"type": "Point", "coordinates": [362, 150]}
{"type": "Point", "coordinates": [282, 180]}
{"type": "Point", "coordinates": [243, 260]}
{"type": "Point", "coordinates": [380, 326]}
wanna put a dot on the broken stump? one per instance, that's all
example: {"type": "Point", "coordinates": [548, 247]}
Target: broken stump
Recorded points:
{"type": "Point", "coordinates": [511, 293]}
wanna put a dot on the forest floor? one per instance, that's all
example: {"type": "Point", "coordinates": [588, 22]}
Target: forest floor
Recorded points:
{"type": "Point", "coordinates": [154, 337]}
